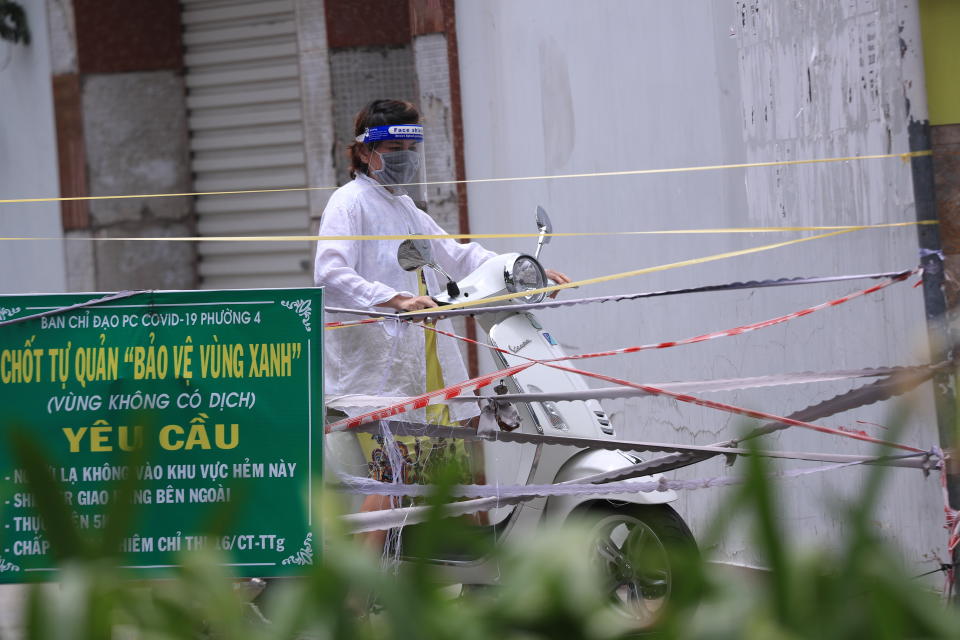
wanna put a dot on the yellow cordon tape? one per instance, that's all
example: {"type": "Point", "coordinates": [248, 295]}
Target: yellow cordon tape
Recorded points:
{"type": "Point", "coordinates": [626, 274]}
{"type": "Point", "coordinates": [482, 236]}
{"type": "Point", "coordinates": [633, 172]}
{"type": "Point", "coordinates": [637, 272]}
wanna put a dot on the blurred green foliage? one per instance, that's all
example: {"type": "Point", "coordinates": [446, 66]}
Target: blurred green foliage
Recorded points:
{"type": "Point", "coordinates": [550, 586]}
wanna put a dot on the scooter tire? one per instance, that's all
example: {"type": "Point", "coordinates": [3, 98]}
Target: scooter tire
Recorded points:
{"type": "Point", "coordinates": [648, 556]}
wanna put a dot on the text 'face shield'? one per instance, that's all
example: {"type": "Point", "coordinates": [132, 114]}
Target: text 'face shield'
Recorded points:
{"type": "Point", "coordinates": [397, 159]}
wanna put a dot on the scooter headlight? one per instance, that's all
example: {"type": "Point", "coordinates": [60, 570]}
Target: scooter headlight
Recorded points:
{"type": "Point", "coordinates": [526, 274]}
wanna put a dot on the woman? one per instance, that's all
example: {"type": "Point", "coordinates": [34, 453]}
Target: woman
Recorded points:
{"type": "Point", "coordinates": [387, 359]}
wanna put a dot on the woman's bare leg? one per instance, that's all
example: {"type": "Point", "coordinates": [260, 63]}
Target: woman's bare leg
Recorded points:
{"type": "Point", "coordinates": [374, 540]}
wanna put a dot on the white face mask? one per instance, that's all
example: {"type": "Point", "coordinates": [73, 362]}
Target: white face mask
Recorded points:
{"type": "Point", "coordinates": [397, 167]}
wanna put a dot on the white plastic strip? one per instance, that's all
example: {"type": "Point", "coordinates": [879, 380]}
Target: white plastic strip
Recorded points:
{"type": "Point", "coordinates": [439, 313]}
{"type": "Point", "coordinates": [390, 518]}
{"type": "Point", "coordinates": [697, 386]}
{"type": "Point", "coordinates": [120, 295]}
{"type": "Point", "coordinates": [444, 431]}
{"type": "Point", "coordinates": [359, 401]}
{"type": "Point", "coordinates": [373, 487]}
{"type": "Point", "coordinates": [432, 397]}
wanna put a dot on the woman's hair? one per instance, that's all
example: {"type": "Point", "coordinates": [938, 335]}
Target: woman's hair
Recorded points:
{"type": "Point", "coordinates": [377, 114]}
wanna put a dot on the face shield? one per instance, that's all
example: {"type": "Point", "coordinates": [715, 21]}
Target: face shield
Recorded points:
{"type": "Point", "coordinates": [397, 150]}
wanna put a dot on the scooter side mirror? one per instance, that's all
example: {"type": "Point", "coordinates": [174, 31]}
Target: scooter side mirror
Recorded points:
{"type": "Point", "coordinates": [544, 226]}
{"type": "Point", "coordinates": [413, 254]}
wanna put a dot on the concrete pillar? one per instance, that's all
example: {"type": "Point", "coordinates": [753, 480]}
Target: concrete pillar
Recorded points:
{"type": "Point", "coordinates": [433, 28]}
{"type": "Point", "coordinates": [122, 129]}
{"type": "Point", "coordinates": [385, 49]}
{"type": "Point", "coordinates": [370, 58]}
{"type": "Point", "coordinates": [316, 95]}
{"type": "Point", "coordinates": [933, 25]}
{"type": "Point", "coordinates": [430, 58]}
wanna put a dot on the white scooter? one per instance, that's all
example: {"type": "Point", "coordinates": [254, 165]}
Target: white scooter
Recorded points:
{"type": "Point", "coordinates": [633, 533]}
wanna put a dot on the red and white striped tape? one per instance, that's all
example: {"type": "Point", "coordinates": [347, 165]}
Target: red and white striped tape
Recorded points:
{"type": "Point", "coordinates": [952, 525]}
{"type": "Point", "coordinates": [682, 397]}
{"type": "Point", "coordinates": [729, 408]}
{"type": "Point", "coordinates": [709, 336]}
{"type": "Point", "coordinates": [438, 313]}
{"type": "Point", "coordinates": [433, 397]}
{"type": "Point", "coordinates": [350, 323]}
{"type": "Point", "coordinates": [421, 401]}
{"type": "Point", "coordinates": [615, 392]}
{"type": "Point", "coordinates": [736, 331]}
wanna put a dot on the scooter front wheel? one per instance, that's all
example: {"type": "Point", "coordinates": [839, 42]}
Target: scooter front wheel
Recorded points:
{"type": "Point", "coordinates": [641, 551]}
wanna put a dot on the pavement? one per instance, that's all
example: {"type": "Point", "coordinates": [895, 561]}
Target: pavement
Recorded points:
{"type": "Point", "coordinates": [12, 603]}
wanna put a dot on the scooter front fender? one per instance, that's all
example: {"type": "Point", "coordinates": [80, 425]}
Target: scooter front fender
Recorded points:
{"type": "Point", "coordinates": [594, 461]}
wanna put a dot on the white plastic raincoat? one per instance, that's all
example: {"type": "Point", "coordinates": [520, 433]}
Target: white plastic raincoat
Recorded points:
{"type": "Point", "coordinates": [383, 359]}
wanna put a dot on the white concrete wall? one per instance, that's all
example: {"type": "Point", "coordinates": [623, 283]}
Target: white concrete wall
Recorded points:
{"type": "Point", "coordinates": [28, 163]}
{"type": "Point", "coordinates": [567, 87]}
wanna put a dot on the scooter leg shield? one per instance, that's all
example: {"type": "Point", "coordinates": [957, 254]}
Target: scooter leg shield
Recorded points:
{"type": "Point", "coordinates": [595, 461]}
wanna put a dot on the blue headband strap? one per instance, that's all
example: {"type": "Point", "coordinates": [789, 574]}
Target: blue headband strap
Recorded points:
{"type": "Point", "coordinates": [392, 132]}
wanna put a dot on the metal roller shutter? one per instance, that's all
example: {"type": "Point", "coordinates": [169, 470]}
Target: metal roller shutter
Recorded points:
{"type": "Point", "coordinates": [243, 100]}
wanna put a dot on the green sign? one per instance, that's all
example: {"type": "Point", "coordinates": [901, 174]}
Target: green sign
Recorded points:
{"type": "Point", "coordinates": [212, 400]}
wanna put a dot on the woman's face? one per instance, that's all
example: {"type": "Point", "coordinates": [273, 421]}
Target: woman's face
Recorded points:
{"type": "Point", "coordinates": [386, 146]}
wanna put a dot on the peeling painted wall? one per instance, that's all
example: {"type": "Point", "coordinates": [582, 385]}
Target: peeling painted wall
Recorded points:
{"type": "Point", "coordinates": [551, 88]}
{"type": "Point", "coordinates": [823, 79]}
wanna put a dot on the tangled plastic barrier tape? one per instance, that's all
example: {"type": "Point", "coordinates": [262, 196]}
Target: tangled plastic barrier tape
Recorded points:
{"type": "Point", "coordinates": [911, 460]}
{"type": "Point", "coordinates": [380, 520]}
{"type": "Point", "coordinates": [609, 393]}
{"type": "Point", "coordinates": [402, 516]}
{"type": "Point", "coordinates": [882, 390]}
{"type": "Point", "coordinates": [735, 331]}
{"type": "Point", "coordinates": [440, 313]}
{"type": "Point", "coordinates": [440, 395]}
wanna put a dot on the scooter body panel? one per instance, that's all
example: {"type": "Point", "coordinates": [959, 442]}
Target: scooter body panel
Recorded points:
{"type": "Point", "coordinates": [592, 461]}
{"type": "Point", "coordinates": [520, 337]}
{"type": "Point", "coordinates": [483, 281]}
{"type": "Point", "coordinates": [525, 338]}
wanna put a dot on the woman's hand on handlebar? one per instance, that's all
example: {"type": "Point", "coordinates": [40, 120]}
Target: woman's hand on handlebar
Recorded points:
{"type": "Point", "coordinates": [407, 303]}
{"type": "Point", "coordinates": [557, 277]}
